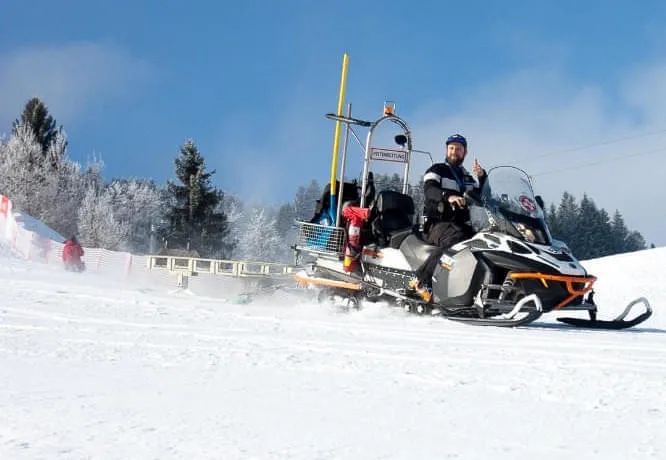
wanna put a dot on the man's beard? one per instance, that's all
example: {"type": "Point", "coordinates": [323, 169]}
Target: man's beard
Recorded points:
{"type": "Point", "coordinates": [455, 161]}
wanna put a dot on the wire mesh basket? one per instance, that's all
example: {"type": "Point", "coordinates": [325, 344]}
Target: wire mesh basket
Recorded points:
{"type": "Point", "coordinates": [321, 239]}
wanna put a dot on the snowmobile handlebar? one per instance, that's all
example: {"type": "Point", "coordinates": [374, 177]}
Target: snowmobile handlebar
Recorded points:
{"type": "Point", "coordinates": [473, 198]}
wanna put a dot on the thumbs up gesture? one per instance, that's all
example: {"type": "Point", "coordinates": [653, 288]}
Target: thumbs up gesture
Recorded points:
{"type": "Point", "coordinates": [477, 169]}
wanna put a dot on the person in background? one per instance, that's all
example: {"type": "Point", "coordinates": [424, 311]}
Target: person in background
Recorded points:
{"type": "Point", "coordinates": [71, 255]}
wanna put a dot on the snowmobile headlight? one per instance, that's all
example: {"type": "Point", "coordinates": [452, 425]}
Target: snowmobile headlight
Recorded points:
{"type": "Point", "coordinates": [525, 231]}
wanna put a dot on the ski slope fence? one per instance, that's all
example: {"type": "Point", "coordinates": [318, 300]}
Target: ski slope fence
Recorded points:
{"type": "Point", "coordinates": [201, 276]}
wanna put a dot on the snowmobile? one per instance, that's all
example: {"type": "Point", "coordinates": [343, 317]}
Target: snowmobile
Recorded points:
{"type": "Point", "coordinates": [509, 273]}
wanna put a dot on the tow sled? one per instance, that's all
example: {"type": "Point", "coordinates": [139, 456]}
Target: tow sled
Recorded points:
{"type": "Point", "coordinates": [366, 245]}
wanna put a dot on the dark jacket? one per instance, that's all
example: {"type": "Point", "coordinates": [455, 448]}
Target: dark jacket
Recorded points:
{"type": "Point", "coordinates": [441, 181]}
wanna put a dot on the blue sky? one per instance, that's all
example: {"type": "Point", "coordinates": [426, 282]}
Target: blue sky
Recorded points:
{"type": "Point", "coordinates": [528, 82]}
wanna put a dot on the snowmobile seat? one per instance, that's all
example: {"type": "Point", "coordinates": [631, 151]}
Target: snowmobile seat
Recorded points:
{"type": "Point", "coordinates": [391, 218]}
{"type": "Point", "coordinates": [416, 250]}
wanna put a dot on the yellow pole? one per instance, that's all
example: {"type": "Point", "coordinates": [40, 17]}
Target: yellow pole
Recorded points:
{"type": "Point", "coordinates": [336, 141]}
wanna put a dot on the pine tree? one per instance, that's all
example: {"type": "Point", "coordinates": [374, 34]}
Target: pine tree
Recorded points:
{"type": "Point", "coordinates": [605, 243]}
{"type": "Point", "coordinates": [416, 192]}
{"type": "Point", "coordinates": [589, 231]}
{"type": "Point", "coordinates": [395, 183]}
{"type": "Point", "coordinates": [285, 219]}
{"type": "Point", "coordinates": [568, 222]}
{"type": "Point", "coordinates": [619, 233]}
{"type": "Point", "coordinates": [551, 220]}
{"type": "Point", "coordinates": [635, 242]}
{"type": "Point", "coordinates": [196, 222]}
{"type": "Point", "coordinates": [51, 139]}
{"type": "Point", "coordinates": [306, 199]}
{"type": "Point", "coordinates": [388, 182]}
{"type": "Point", "coordinates": [593, 225]}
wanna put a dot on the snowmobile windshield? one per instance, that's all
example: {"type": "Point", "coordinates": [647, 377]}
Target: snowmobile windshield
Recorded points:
{"type": "Point", "coordinates": [508, 196]}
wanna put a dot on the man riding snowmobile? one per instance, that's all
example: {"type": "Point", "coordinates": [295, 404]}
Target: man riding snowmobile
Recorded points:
{"type": "Point", "coordinates": [447, 215]}
{"type": "Point", "coordinates": [504, 269]}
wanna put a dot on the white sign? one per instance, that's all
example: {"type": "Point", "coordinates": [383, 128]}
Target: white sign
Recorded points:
{"type": "Point", "coordinates": [399, 156]}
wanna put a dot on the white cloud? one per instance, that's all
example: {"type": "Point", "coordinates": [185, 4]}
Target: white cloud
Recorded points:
{"type": "Point", "coordinates": [70, 79]}
{"type": "Point", "coordinates": [537, 119]}
{"type": "Point", "coordinates": [277, 156]}
{"type": "Point", "coordinates": [646, 91]}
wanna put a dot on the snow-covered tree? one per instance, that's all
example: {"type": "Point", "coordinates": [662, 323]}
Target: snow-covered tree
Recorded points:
{"type": "Point", "coordinates": [51, 139]}
{"type": "Point", "coordinates": [140, 205]}
{"type": "Point", "coordinates": [37, 187]}
{"type": "Point", "coordinates": [232, 207]}
{"type": "Point", "coordinates": [388, 182]}
{"type": "Point", "coordinates": [98, 226]}
{"type": "Point", "coordinates": [305, 201]}
{"type": "Point", "coordinates": [23, 177]}
{"type": "Point", "coordinates": [285, 219]}
{"type": "Point", "coordinates": [258, 237]}
{"type": "Point", "coordinates": [416, 192]}
{"type": "Point", "coordinates": [62, 214]}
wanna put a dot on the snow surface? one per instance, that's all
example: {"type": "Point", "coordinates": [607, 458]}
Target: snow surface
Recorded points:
{"type": "Point", "coordinates": [95, 368]}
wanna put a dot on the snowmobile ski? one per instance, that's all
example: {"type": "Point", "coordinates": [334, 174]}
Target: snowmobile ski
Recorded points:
{"type": "Point", "coordinates": [497, 321]}
{"type": "Point", "coordinates": [508, 319]}
{"type": "Point", "coordinates": [615, 324]}
{"type": "Point", "coordinates": [470, 314]}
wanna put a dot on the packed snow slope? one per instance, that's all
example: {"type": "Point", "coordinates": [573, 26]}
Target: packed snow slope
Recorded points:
{"type": "Point", "coordinates": [92, 368]}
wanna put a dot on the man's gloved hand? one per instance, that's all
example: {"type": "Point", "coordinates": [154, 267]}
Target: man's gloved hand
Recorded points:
{"type": "Point", "coordinates": [457, 202]}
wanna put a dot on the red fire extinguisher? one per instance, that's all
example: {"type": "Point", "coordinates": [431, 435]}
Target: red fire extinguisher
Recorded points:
{"type": "Point", "coordinates": [355, 217]}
